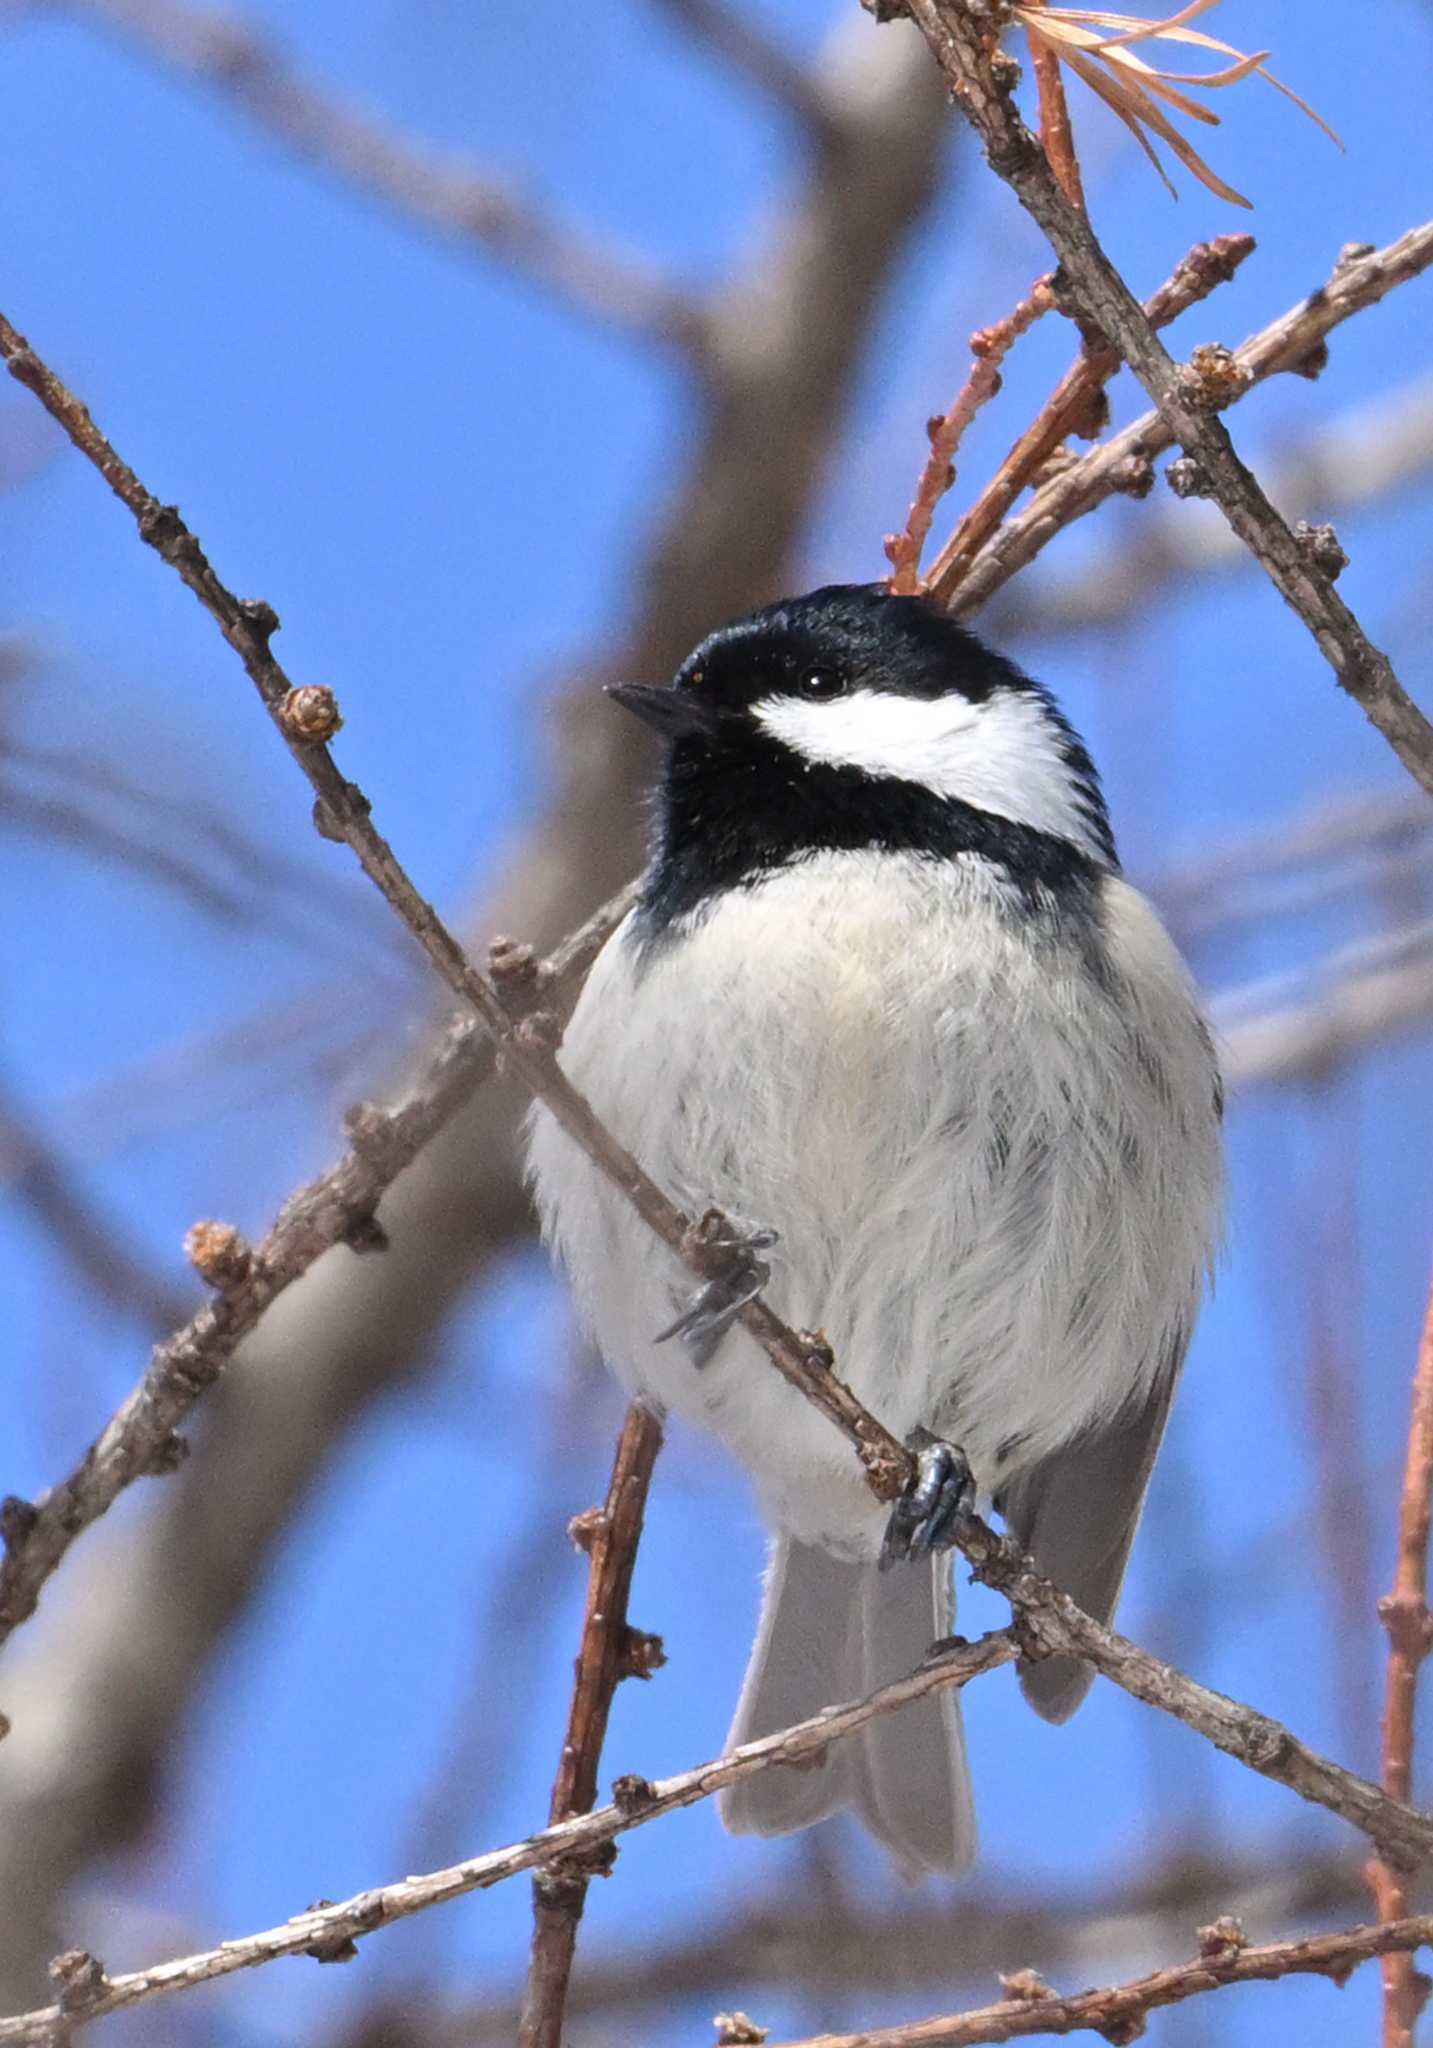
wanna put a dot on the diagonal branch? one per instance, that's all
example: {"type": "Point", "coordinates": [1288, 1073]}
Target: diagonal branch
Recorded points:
{"type": "Point", "coordinates": [326, 1929]}
{"type": "Point", "coordinates": [446, 195]}
{"type": "Point", "coordinates": [1294, 342]}
{"type": "Point", "coordinates": [1119, 2013]}
{"type": "Point", "coordinates": [1189, 396]}
{"type": "Point", "coordinates": [337, 1208]}
{"type": "Point", "coordinates": [611, 1651]}
{"type": "Point", "coordinates": [1068, 409]}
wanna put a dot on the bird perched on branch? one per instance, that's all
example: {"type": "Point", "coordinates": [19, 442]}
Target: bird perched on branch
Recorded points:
{"type": "Point", "coordinates": [886, 999]}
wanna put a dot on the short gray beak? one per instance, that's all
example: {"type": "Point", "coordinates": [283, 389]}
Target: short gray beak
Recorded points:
{"type": "Point", "coordinates": [670, 712]}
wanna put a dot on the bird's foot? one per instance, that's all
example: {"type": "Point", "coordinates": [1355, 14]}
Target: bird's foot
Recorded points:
{"type": "Point", "coordinates": [739, 1277]}
{"type": "Point", "coordinates": [942, 1492]}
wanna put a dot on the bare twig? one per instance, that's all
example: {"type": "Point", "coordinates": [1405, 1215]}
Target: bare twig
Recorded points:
{"type": "Point", "coordinates": [1293, 342]}
{"type": "Point", "coordinates": [1189, 396]}
{"type": "Point", "coordinates": [1404, 1613]}
{"type": "Point", "coordinates": [448, 196]}
{"type": "Point", "coordinates": [336, 1208]}
{"type": "Point", "coordinates": [740, 42]}
{"type": "Point", "coordinates": [1074, 407]}
{"type": "Point", "coordinates": [326, 1928]}
{"type": "Point", "coordinates": [989, 346]}
{"type": "Point", "coordinates": [1118, 2013]}
{"type": "Point", "coordinates": [611, 1651]}
{"type": "Point", "coordinates": [785, 1941]}
{"type": "Point", "coordinates": [1363, 456]}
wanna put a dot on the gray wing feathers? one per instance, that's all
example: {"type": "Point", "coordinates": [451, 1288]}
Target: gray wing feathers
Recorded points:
{"type": "Point", "coordinates": [1076, 1514]}
{"type": "Point", "coordinates": [830, 1632]}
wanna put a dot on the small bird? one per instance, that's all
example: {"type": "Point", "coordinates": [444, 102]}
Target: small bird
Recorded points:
{"type": "Point", "coordinates": [886, 1002]}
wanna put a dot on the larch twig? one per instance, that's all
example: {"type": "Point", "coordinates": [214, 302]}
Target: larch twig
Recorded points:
{"type": "Point", "coordinates": [325, 1930]}
{"type": "Point", "coordinates": [1294, 342]}
{"type": "Point", "coordinates": [1119, 2012]}
{"type": "Point", "coordinates": [611, 1651]}
{"type": "Point", "coordinates": [1404, 1614]}
{"type": "Point", "coordinates": [1190, 396]}
{"type": "Point", "coordinates": [1075, 406]}
{"type": "Point", "coordinates": [337, 1208]}
{"type": "Point", "coordinates": [989, 346]}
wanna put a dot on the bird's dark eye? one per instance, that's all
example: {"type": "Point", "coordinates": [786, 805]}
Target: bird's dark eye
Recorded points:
{"type": "Point", "coordinates": [820, 685]}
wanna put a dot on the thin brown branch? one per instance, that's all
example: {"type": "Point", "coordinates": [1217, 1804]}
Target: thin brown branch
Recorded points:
{"type": "Point", "coordinates": [448, 196]}
{"type": "Point", "coordinates": [610, 1652]}
{"type": "Point", "coordinates": [1294, 342]}
{"type": "Point", "coordinates": [1057, 137]}
{"type": "Point", "coordinates": [1189, 396]}
{"type": "Point", "coordinates": [1119, 2013]}
{"type": "Point", "coordinates": [1404, 1613]}
{"type": "Point", "coordinates": [337, 1208]}
{"type": "Point", "coordinates": [989, 346]}
{"type": "Point", "coordinates": [1051, 1624]}
{"type": "Point", "coordinates": [1075, 407]}
{"type": "Point", "coordinates": [1364, 456]}
{"type": "Point", "coordinates": [785, 1941]}
{"type": "Point", "coordinates": [326, 1929]}
{"type": "Point", "coordinates": [736, 38]}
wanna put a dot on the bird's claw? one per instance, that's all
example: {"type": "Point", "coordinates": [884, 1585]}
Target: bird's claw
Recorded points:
{"type": "Point", "coordinates": [716, 1305]}
{"type": "Point", "coordinates": [924, 1519]}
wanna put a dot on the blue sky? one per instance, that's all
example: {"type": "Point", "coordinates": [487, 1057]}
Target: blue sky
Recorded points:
{"type": "Point", "coordinates": [364, 425]}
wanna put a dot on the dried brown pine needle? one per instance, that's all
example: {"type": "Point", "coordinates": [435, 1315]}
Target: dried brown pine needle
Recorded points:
{"type": "Point", "coordinates": [1097, 45]}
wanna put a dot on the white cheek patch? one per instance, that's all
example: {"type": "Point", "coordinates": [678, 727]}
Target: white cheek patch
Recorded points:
{"type": "Point", "coordinates": [1002, 756]}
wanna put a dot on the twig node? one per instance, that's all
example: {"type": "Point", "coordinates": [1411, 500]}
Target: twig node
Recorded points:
{"type": "Point", "coordinates": [310, 713]}
{"type": "Point", "coordinates": [219, 1253]}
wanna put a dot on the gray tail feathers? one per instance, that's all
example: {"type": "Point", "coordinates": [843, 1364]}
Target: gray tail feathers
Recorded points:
{"type": "Point", "coordinates": [830, 1632]}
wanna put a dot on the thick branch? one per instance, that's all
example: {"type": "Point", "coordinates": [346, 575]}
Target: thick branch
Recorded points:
{"type": "Point", "coordinates": [611, 1651]}
{"type": "Point", "coordinates": [1187, 398]}
{"type": "Point", "coordinates": [1118, 2013]}
{"type": "Point", "coordinates": [336, 1208]}
{"type": "Point", "coordinates": [326, 1928]}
